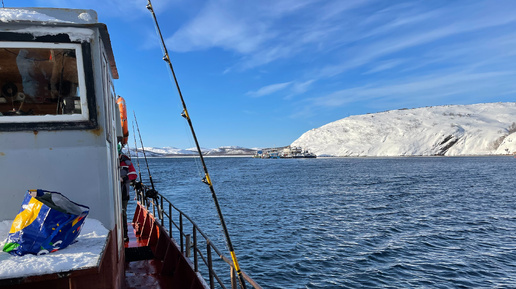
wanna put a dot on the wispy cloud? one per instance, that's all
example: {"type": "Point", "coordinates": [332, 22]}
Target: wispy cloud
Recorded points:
{"type": "Point", "coordinates": [269, 89]}
{"type": "Point", "coordinates": [127, 9]}
{"type": "Point", "coordinates": [389, 39]}
{"type": "Point", "coordinates": [261, 32]}
{"type": "Point", "coordinates": [219, 26]}
{"type": "Point", "coordinates": [385, 65]}
{"type": "Point", "coordinates": [289, 89]}
{"type": "Point", "coordinates": [239, 27]}
{"type": "Point", "coordinates": [301, 87]}
{"type": "Point", "coordinates": [428, 87]}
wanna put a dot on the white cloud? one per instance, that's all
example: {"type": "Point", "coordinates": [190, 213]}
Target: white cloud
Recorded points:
{"type": "Point", "coordinates": [242, 27]}
{"type": "Point", "coordinates": [301, 87]}
{"type": "Point", "coordinates": [261, 33]}
{"type": "Point", "coordinates": [219, 26]}
{"type": "Point", "coordinates": [291, 89]}
{"type": "Point", "coordinates": [433, 86]}
{"type": "Point", "coordinates": [112, 8]}
{"type": "Point", "coordinates": [416, 31]}
{"type": "Point", "coordinates": [269, 89]}
{"type": "Point", "coordinates": [385, 65]}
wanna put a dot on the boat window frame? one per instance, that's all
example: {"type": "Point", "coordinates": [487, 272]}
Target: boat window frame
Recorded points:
{"type": "Point", "coordinates": [88, 117]}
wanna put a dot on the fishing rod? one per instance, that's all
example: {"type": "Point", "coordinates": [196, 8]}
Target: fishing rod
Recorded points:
{"type": "Point", "coordinates": [137, 157]}
{"type": "Point", "coordinates": [152, 193]}
{"type": "Point", "coordinates": [138, 186]}
{"type": "Point", "coordinates": [128, 149]}
{"type": "Point", "coordinates": [206, 178]}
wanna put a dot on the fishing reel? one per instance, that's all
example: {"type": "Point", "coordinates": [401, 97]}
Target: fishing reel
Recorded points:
{"type": "Point", "coordinates": [151, 194]}
{"type": "Point", "coordinates": [138, 186]}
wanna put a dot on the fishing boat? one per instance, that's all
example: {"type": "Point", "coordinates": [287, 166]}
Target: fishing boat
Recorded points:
{"type": "Point", "coordinates": [60, 125]}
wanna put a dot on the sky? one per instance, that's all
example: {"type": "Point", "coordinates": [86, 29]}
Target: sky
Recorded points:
{"type": "Point", "coordinates": [259, 74]}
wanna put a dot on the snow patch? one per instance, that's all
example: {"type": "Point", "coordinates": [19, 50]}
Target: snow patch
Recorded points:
{"type": "Point", "coordinates": [171, 151]}
{"type": "Point", "coordinates": [48, 15]}
{"type": "Point", "coordinates": [75, 34]}
{"type": "Point", "coordinates": [26, 15]}
{"type": "Point", "coordinates": [85, 17]}
{"type": "Point", "coordinates": [85, 253]}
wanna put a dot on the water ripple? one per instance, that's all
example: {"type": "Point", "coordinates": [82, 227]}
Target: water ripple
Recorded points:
{"type": "Point", "coordinates": [361, 223]}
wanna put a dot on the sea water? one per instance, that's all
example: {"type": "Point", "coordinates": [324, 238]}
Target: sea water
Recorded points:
{"type": "Point", "coordinates": [414, 222]}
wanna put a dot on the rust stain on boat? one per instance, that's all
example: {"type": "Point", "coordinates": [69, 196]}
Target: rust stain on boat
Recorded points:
{"type": "Point", "coordinates": [97, 131]}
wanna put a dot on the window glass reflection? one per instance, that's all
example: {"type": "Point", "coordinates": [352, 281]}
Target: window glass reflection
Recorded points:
{"type": "Point", "coordinates": [39, 81]}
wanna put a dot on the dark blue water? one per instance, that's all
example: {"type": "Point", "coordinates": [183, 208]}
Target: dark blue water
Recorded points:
{"type": "Point", "coordinates": [357, 222]}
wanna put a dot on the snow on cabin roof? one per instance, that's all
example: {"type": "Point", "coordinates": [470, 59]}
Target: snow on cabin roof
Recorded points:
{"type": "Point", "coordinates": [48, 15]}
{"type": "Point", "coordinates": [59, 17]}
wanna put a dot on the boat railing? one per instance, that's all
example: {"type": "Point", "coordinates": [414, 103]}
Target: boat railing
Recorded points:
{"type": "Point", "coordinates": [189, 240]}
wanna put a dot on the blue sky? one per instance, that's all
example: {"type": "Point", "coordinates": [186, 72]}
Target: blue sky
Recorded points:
{"type": "Point", "coordinates": [261, 73]}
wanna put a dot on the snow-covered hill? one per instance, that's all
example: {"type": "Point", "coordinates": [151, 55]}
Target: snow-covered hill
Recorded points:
{"type": "Point", "coordinates": [453, 130]}
{"type": "Point", "coordinates": [171, 151]}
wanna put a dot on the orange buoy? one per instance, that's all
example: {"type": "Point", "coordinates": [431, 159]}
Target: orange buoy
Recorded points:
{"type": "Point", "coordinates": [123, 118]}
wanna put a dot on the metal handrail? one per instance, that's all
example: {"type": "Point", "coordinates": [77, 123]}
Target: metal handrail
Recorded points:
{"type": "Point", "coordinates": [157, 204]}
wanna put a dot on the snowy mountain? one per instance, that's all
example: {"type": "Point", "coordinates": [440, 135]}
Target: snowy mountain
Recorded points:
{"type": "Point", "coordinates": [453, 130]}
{"type": "Point", "coordinates": [158, 152]}
{"type": "Point", "coordinates": [230, 150]}
{"type": "Point", "coordinates": [171, 151]}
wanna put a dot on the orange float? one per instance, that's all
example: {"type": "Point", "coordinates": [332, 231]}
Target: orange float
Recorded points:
{"type": "Point", "coordinates": [123, 118]}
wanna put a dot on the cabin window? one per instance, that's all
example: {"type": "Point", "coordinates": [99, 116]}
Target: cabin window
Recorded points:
{"type": "Point", "coordinates": [42, 82]}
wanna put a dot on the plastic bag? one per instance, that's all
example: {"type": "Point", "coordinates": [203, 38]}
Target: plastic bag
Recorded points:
{"type": "Point", "coordinates": [47, 222]}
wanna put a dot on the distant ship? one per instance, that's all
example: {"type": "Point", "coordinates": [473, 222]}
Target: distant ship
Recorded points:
{"type": "Point", "coordinates": [288, 152]}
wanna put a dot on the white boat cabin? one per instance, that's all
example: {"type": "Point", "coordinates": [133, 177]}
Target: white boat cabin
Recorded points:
{"type": "Point", "coordinates": [59, 121]}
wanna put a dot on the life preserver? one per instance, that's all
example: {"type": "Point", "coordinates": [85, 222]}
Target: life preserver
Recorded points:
{"type": "Point", "coordinates": [123, 118]}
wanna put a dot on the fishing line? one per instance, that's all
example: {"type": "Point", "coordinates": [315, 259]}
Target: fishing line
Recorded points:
{"type": "Point", "coordinates": [196, 161]}
{"type": "Point", "coordinates": [206, 179]}
{"type": "Point", "coordinates": [149, 193]}
{"type": "Point", "coordinates": [137, 157]}
{"type": "Point", "coordinates": [138, 185]}
{"type": "Point", "coordinates": [186, 127]}
{"type": "Point", "coordinates": [144, 155]}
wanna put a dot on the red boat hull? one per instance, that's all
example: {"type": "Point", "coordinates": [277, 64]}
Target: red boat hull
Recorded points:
{"type": "Point", "coordinates": [168, 268]}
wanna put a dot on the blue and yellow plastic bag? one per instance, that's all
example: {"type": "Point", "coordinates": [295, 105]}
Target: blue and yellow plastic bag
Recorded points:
{"type": "Point", "coordinates": [47, 222]}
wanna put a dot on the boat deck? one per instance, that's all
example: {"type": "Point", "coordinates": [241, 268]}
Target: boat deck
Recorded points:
{"type": "Point", "coordinates": [141, 269]}
{"type": "Point", "coordinates": [153, 259]}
